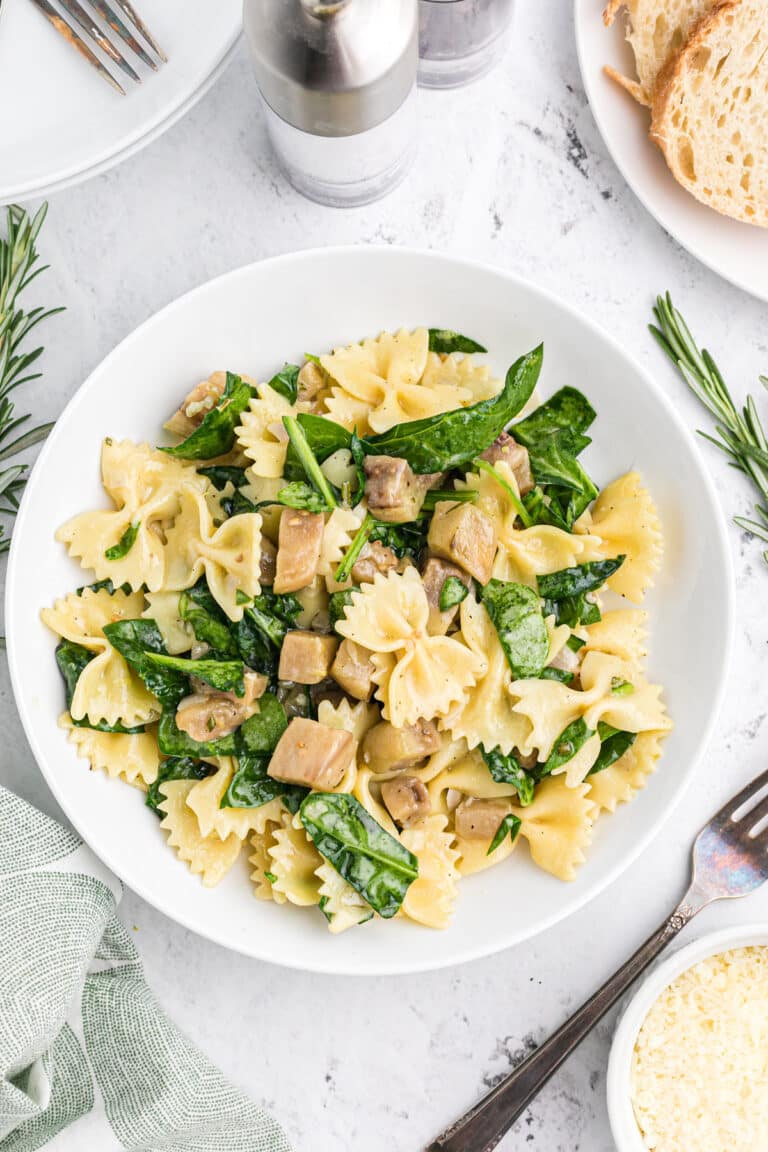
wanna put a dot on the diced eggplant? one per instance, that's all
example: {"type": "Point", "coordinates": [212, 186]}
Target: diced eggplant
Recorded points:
{"type": "Point", "coordinates": [306, 657]}
{"type": "Point", "coordinates": [311, 381]}
{"type": "Point", "coordinates": [479, 819]}
{"type": "Point", "coordinates": [197, 404]}
{"type": "Point", "coordinates": [353, 670]}
{"type": "Point", "coordinates": [406, 799]}
{"type": "Point", "coordinates": [506, 448]}
{"type": "Point", "coordinates": [311, 754]}
{"type": "Point", "coordinates": [434, 575]}
{"type": "Point", "coordinates": [298, 549]}
{"type": "Point", "coordinates": [374, 558]}
{"type": "Point", "coordinates": [388, 749]}
{"type": "Point", "coordinates": [268, 562]}
{"type": "Point", "coordinates": [394, 492]}
{"type": "Point", "coordinates": [465, 535]}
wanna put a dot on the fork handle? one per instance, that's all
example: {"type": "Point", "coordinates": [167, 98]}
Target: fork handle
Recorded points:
{"type": "Point", "coordinates": [481, 1129]}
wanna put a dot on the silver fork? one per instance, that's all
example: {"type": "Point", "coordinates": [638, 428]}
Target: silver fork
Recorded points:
{"type": "Point", "coordinates": [114, 16]}
{"type": "Point", "coordinates": [730, 858]}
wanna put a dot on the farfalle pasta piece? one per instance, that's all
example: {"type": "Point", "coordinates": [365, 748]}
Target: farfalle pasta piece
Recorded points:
{"type": "Point", "coordinates": [470, 777]}
{"type": "Point", "coordinates": [432, 895]}
{"type": "Point", "coordinates": [133, 757]}
{"type": "Point", "coordinates": [340, 527]}
{"type": "Point", "coordinates": [576, 770]}
{"type": "Point", "coordinates": [260, 862]}
{"type": "Point", "coordinates": [619, 783]}
{"type": "Point", "coordinates": [366, 791]}
{"type": "Point", "coordinates": [622, 633]}
{"type": "Point", "coordinates": [261, 434]}
{"type": "Point", "coordinates": [342, 906]}
{"type": "Point", "coordinates": [376, 384]}
{"type": "Point", "coordinates": [144, 485]}
{"type": "Point", "coordinates": [625, 520]}
{"type": "Point", "coordinates": [551, 706]}
{"type": "Point", "coordinates": [205, 798]}
{"type": "Point", "coordinates": [558, 826]}
{"type": "Point", "coordinates": [473, 854]}
{"type": "Point", "coordinates": [163, 608]}
{"type": "Point", "coordinates": [460, 372]}
{"type": "Point", "coordinates": [208, 857]}
{"type": "Point", "coordinates": [487, 715]}
{"type": "Point", "coordinates": [417, 675]}
{"type": "Point", "coordinates": [228, 555]}
{"type": "Point", "coordinates": [108, 690]}
{"type": "Point", "coordinates": [294, 863]}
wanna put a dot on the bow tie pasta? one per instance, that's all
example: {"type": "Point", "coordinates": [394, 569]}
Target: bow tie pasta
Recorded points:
{"type": "Point", "coordinates": [364, 630]}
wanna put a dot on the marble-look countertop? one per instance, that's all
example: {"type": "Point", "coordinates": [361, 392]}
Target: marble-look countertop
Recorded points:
{"type": "Point", "coordinates": [512, 171]}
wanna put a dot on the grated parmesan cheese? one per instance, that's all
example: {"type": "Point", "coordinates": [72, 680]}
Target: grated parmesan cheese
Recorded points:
{"type": "Point", "coordinates": [700, 1063]}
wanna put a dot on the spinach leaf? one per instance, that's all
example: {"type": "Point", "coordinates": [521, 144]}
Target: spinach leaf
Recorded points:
{"type": "Point", "coordinates": [508, 770]}
{"type": "Point", "coordinates": [173, 742]}
{"type": "Point", "coordinates": [222, 474]}
{"type": "Point", "coordinates": [614, 743]}
{"type": "Point", "coordinates": [216, 433]}
{"type": "Point", "coordinates": [224, 675]}
{"type": "Point", "coordinates": [309, 462]}
{"type": "Point", "coordinates": [337, 603]}
{"type": "Point", "coordinates": [260, 733]}
{"type": "Point", "coordinates": [452, 593]}
{"type": "Point", "coordinates": [250, 786]}
{"type": "Point", "coordinates": [579, 579]}
{"type": "Point", "coordinates": [357, 449]}
{"type": "Point", "coordinates": [133, 639]}
{"type": "Point", "coordinates": [72, 659]}
{"type": "Point", "coordinates": [515, 612]}
{"type": "Point", "coordinates": [450, 439]}
{"type": "Point", "coordinates": [175, 768]}
{"type": "Point", "coordinates": [286, 382]}
{"type": "Point", "coordinates": [444, 340]}
{"type": "Point", "coordinates": [103, 586]}
{"type": "Point", "coordinates": [404, 539]}
{"type": "Point", "coordinates": [543, 509]}
{"type": "Point", "coordinates": [568, 410]}
{"type": "Point", "coordinates": [509, 825]}
{"type": "Point", "coordinates": [124, 544]}
{"type": "Point", "coordinates": [575, 643]}
{"type": "Point", "coordinates": [323, 436]}
{"type": "Point", "coordinates": [457, 495]}
{"type": "Point", "coordinates": [207, 622]}
{"type": "Point", "coordinates": [300, 495]}
{"type": "Point", "coordinates": [377, 865]}
{"type": "Point", "coordinates": [260, 633]}
{"type": "Point", "coordinates": [568, 743]}
{"type": "Point", "coordinates": [558, 674]}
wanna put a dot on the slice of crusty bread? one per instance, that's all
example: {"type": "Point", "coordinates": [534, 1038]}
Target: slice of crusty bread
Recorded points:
{"type": "Point", "coordinates": [656, 30]}
{"type": "Point", "coordinates": [710, 111]}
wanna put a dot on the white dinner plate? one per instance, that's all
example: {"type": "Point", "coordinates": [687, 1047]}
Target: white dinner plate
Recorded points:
{"type": "Point", "coordinates": [251, 321]}
{"type": "Point", "coordinates": [61, 123]}
{"type": "Point", "coordinates": [738, 252]}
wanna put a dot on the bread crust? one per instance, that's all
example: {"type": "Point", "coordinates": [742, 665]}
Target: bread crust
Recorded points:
{"type": "Point", "coordinates": [662, 106]}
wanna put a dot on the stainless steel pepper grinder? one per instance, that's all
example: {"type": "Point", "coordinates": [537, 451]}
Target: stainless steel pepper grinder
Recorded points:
{"type": "Point", "coordinates": [338, 82]}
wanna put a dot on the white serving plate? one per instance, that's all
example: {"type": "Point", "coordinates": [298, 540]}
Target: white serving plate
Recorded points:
{"type": "Point", "coordinates": [738, 252]}
{"type": "Point", "coordinates": [251, 321]}
{"type": "Point", "coordinates": [619, 1081]}
{"type": "Point", "coordinates": [61, 123]}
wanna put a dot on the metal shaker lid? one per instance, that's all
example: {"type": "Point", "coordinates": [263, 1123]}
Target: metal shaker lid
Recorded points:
{"type": "Point", "coordinates": [333, 69]}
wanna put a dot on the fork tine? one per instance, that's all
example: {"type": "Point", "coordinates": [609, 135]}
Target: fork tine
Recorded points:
{"type": "Point", "coordinates": [107, 12]}
{"type": "Point", "coordinates": [750, 790]}
{"type": "Point", "coordinates": [129, 11]}
{"type": "Point", "coordinates": [78, 13]}
{"type": "Point", "coordinates": [73, 38]}
{"type": "Point", "coordinates": [752, 818]}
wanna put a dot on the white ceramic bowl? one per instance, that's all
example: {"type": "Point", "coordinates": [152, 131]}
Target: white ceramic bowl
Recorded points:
{"type": "Point", "coordinates": [623, 1124]}
{"type": "Point", "coordinates": [251, 321]}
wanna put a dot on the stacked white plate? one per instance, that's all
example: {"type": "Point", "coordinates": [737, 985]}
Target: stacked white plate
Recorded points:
{"type": "Point", "coordinates": [61, 123]}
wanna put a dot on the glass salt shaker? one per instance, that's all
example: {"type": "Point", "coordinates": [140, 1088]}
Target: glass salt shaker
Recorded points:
{"type": "Point", "coordinates": [460, 40]}
{"type": "Point", "coordinates": [338, 83]}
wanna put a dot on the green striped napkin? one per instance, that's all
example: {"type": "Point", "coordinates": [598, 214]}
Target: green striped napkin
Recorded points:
{"type": "Point", "coordinates": [82, 1040]}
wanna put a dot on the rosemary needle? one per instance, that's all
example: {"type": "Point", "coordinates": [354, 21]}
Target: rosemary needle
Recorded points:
{"type": "Point", "coordinates": [739, 434]}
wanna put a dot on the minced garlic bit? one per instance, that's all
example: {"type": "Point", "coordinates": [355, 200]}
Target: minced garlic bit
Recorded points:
{"type": "Point", "coordinates": [700, 1063]}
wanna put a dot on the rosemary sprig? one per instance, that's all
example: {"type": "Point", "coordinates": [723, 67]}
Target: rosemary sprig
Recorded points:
{"type": "Point", "coordinates": [739, 434]}
{"type": "Point", "coordinates": [18, 260]}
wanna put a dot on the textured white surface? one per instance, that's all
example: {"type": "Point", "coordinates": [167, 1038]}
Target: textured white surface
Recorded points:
{"type": "Point", "coordinates": [513, 171]}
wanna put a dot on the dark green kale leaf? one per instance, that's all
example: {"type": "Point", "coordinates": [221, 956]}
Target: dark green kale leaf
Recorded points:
{"type": "Point", "coordinates": [216, 433]}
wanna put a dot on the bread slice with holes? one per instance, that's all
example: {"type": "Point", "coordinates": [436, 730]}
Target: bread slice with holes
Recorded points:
{"type": "Point", "coordinates": [710, 111]}
{"type": "Point", "coordinates": [656, 31]}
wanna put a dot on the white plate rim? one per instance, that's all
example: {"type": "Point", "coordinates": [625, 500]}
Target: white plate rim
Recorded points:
{"type": "Point", "coordinates": [647, 202]}
{"type": "Point", "coordinates": [70, 179]}
{"type": "Point", "coordinates": [464, 954]}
